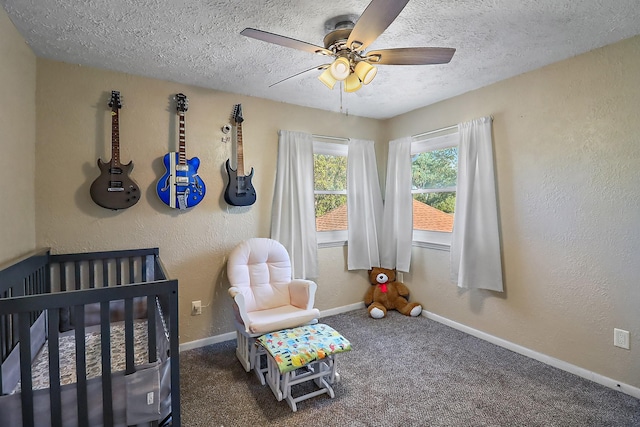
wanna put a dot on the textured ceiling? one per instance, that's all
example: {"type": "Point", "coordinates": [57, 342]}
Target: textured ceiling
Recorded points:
{"type": "Point", "coordinates": [198, 42]}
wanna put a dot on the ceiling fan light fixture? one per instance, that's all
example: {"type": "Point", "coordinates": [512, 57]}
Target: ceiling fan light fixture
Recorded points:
{"type": "Point", "coordinates": [327, 78]}
{"type": "Point", "coordinates": [340, 69]}
{"type": "Point", "coordinates": [352, 83]}
{"type": "Point", "coordinates": [365, 72]}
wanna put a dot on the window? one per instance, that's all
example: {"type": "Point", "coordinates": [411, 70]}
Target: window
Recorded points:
{"type": "Point", "coordinates": [434, 171]}
{"type": "Point", "coordinates": [330, 190]}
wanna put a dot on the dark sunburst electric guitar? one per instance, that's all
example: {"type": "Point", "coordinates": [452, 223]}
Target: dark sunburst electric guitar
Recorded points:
{"type": "Point", "coordinates": [181, 187]}
{"type": "Point", "coordinates": [114, 189]}
{"type": "Point", "coordinates": [239, 191]}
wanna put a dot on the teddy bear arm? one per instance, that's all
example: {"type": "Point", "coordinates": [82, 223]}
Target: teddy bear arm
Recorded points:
{"type": "Point", "coordinates": [402, 289]}
{"type": "Point", "coordinates": [368, 297]}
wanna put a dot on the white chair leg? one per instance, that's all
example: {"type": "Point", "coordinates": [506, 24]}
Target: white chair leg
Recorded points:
{"type": "Point", "coordinates": [243, 351]}
{"type": "Point", "coordinates": [252, 353]}
{"type": "Point", "coordinates": [274, 379]}
{"type": "Point", "coordinates": [257, 364]}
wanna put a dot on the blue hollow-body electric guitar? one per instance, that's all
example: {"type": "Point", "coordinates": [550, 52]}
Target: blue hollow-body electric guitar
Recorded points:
{"type": "Point", "coordinates": [181, 187]}
{"type": "Point", "coordinates": [239, 191]}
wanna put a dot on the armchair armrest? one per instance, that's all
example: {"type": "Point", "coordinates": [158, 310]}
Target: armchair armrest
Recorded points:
{"type": "Point", "coordinates": [233, 291]}
{"type": "Point", "coordinates": [302, 293]}
{"type": "Point", "coordinates": [239, 306]}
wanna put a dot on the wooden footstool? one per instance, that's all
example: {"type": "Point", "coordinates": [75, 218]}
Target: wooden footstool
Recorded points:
{"type": "Point", "coordinates": [297, 355]}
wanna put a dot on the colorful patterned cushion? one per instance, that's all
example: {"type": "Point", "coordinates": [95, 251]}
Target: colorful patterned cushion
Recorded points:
{"type": "Point", "coordinates": [297, 347]}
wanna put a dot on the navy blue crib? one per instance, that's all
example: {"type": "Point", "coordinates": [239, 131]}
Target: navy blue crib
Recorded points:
{"type": "Point", "coordinates": [102, 330]}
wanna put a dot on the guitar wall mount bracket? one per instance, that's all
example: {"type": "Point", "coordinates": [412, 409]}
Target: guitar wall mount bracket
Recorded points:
{"type": "Point", "coordinates": [225, 130]}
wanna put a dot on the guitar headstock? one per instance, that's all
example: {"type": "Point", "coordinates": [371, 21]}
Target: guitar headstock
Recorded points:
{"type": "Point", "coordinates": [237, 113]}
{"type": "Point", "coordinates": [182, 102]}
{"type": "Point", "coordinates": [115, 102]}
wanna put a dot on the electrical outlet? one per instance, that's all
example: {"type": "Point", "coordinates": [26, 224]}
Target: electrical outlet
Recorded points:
{"type": "Point", "coordinates": [399, 276]}
{"type": "Point", "coordinates": [196, 308]}
{"type": "Point", "coordinates": [621, 338]}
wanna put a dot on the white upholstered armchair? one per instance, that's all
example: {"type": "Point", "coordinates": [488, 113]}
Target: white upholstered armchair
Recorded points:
{"type": "Point", "coordinates": [265, 296]}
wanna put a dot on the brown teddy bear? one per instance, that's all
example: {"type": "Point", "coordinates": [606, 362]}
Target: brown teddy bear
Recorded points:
{"type": "Point", "coordinates": [387, 294]}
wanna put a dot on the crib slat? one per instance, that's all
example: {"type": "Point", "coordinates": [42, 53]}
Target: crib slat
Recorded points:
{"type": "Point", "coordinates": [25, 369]}
{"type": "Point", "coordinates": [76, 271]}
{"type": "Point", "coordinates": [151, 328]}
{"type": "Point", "coordinates": [146, 260]}
{"type": "Point", "coordinates": [13, 324]}
{"type": "Point", "coordinates": [128, 336]}
{"type": "Point", "coordinates": [81, 366]}
{"type": "Point", "coordinates": [40, 282]}
{"type": "Point", "coordinates": [105, 273]}
{"type": "Point", "coordinates": [3, 338]}
{"type": "Point", "coordinates": [105, 345]}
{"type": "Point", "coordinates": [28, 290]}
{"type": "Point", "coordinates": [63, 277]}
{"type": "Point", "coordinates": [151, 335]}
{"type": "Point", "coordinates": [118, 271]}
{"type": "Point", "coordinates": [54, 369]}
{"type": "Point", "coordinates": [132, 272]}
{"type": "Point", "coordinates": [5, 341]}
{"type": "Point", "coordinates": [92, 279]}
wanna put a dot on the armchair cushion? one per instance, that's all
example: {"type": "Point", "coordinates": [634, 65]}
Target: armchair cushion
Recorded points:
{"type": "Point", "coordinates": [275, 319]}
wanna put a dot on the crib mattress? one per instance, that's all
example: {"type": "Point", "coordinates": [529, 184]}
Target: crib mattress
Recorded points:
{"type": "Point", "coordinates": [67, 348]}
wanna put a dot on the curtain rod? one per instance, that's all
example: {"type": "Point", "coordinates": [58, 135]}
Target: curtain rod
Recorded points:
{"type": "Point", "coordinates": [434, 131]}
{"type": "Point", "coordinates": [337, 138]}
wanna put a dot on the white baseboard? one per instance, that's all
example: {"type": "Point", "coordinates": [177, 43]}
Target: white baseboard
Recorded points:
{"type": "Point", "coordinates": [232, 335]}
{"type": "Point", "coordinates": [207, 341]}
{"type": "Point", "coordinates": [340, 310]}
{"type": "Point", "coordinates": [551, 361]}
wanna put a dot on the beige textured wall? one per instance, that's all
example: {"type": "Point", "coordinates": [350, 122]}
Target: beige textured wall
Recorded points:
{"type": "Point", "coordinates": [567, 150]}
{"type": "Point", "coordinates": [17, 139]}
{"type": "Point", "coordinates": [74, 129]}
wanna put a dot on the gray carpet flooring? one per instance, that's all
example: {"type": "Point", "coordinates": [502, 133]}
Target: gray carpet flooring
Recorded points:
{"type": "Point", "coordinates": [404, 372]}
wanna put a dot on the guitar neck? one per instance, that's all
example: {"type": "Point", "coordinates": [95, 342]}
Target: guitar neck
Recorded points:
{"type": "Point", "coordinates": [182, 150]}
{"type": "Point", "coordinates": [239, 153]}
{"type": "Point", "coordinates": [115, 137]}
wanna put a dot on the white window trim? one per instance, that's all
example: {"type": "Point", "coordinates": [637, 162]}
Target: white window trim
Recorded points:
{"type": "Point", "coordinates": [433, 239]}
{"type": "Point", "coordinates": [328, 239]}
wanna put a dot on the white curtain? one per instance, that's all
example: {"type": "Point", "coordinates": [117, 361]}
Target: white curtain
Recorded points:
{"type": "Point", "coordinates": [364, 206]}
{"type": "Point", "coordinates": [293, 214]}
{"type": "Point", "coordinates": [475, 242]}
{"type": "Point", "coordinates": [397, 219]}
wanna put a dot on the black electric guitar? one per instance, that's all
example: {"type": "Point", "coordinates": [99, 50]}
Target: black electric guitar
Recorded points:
{"type": "Point", "coordinates": [181, 187]}
{"type": "Point", "coordinates": [114, 189]}
{"type": "Point", "coordinates": [239, 191]}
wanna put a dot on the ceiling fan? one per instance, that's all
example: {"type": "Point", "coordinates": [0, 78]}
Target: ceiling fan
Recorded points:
{"type": "Point", "coordinates": [346, 44]}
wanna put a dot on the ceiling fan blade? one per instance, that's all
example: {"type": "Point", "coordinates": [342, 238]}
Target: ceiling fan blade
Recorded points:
{"type": "Point", "coordinates": [378, 15]}
{"type": "Point", "coordinates": [411, 56]}
{"type": "Point", "coordinates": [284, 41]}
{"type": "Point", "coordinates": [318, 67]}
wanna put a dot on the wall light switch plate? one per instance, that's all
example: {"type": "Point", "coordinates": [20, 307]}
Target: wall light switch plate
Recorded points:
{"type": "Point", "coordinates": [621, 338]}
